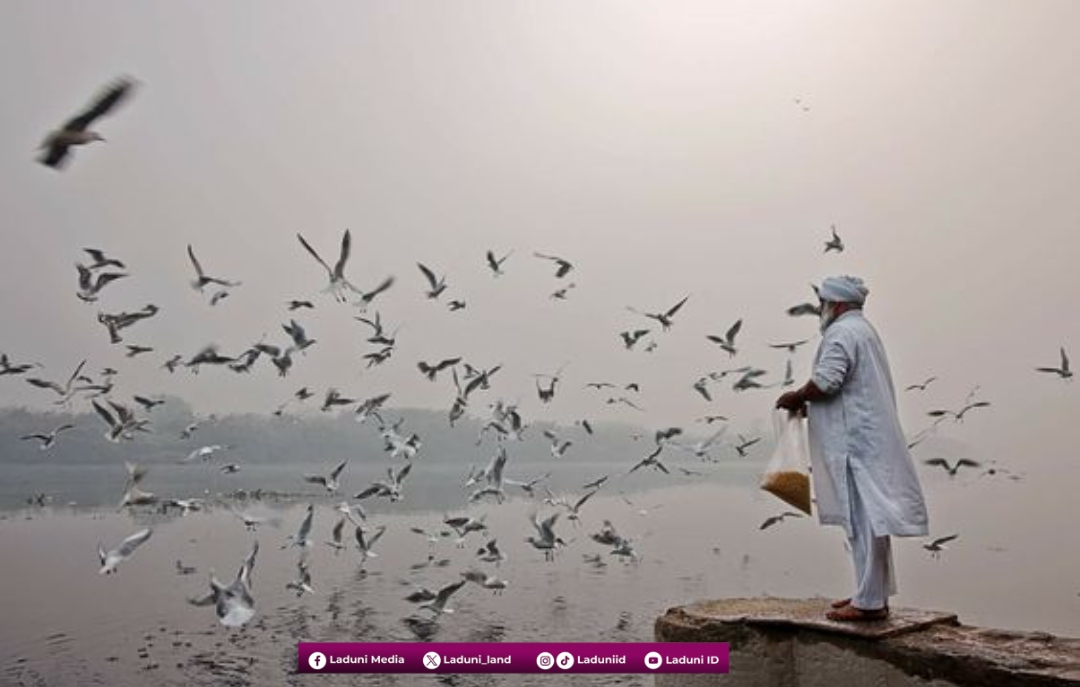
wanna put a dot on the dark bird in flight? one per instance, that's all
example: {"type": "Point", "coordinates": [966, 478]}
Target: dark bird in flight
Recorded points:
{"type": "Point", "coordinates": [562, 267]}
{"type": "Point", "coordinates": [664, 318]}
{"type": "Point", "coordinates": [921, 387]}
{"type": "Point", "coordinates": [776, 519]}
{"type": "Point", "coordinates": [76, 132]}
{"type": "Point", "coordinates": [834, 243]}
{"type": "Point", "coordinates": [727, 341]}
{"type": "Point", "coordinates": [436, 285]}
{"type": "Point", "coordinates": [951, 469]}
{"type": "Point", "coordinates": [1064, 372]}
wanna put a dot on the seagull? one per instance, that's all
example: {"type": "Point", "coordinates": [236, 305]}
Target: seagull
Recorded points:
{"type": "Point", "coordinates": [338, 282]}
{"type": "Point", "coordinates": [116, 556]}
{"type": "Point", "coordinates": [204, 453]}
{"type": "Point", "coordinates": [491, 553]}
{"type": "Point", "coordinates": [562, 267]}
{"type": "Point", "coordinates": [9, 368]}
{"type": "Point", "coordinates": [528, 486]}
{"type": "Point", "coordinates": [744, 444]}
{"type": "Point", "coordinates": [252, 521]}
{"type": "Point", "coordinates": [789, 376]}
{"type": "Point", "coordinates": [48, 439]}
{"type": "Point", "coordinates": [790, 346]}
{"type": "Point", "coordinates": [329, 482]}
{"type": "Point", "coordinates": [133, 496]}
{"type": "Point", "coordinates": [182, 569]}
{"type": "Point", "coordinates": [336, 535]}
{"type": "Point", "coordinates": [75, 131]}
{"type": "Point", "coordinates": [436, 285]}
{"type": "Point", "coordinates": [596, 483]}
{"type": "Point", "coordinates": [303, 584]}
{"type": "Point", "coordinates": [296, 305]}
{"type": "Point", "coordinates": [133, 350]}
{"type": "Point", "coordinates": [496, 264]}
{"type": "Point", "coordinates": [701, 448]}
{"type": "Point", "coordinates": [101, 260]}
{"type": "Point", "coordinates": [370, 407]}
{"type": "Point", "coordinates": [438, 605]}
{"type": "Point", "coordinates": [301, 538]}
{"type": "Point", "coordinates": [463, 525]}
{"type": "Point", "coordinates": [63, 391]}
{"type": "Point", "coordinates": [493, 476]}
{"type": "Point", "coordinates": [834, 243]}
{"type": "Point", "coordinates": [547, 541]}
{"type": "Point", "coordinates": [951, 469]}
{"type": "Point", "coordinates": [123, 320]}
{"type": "Point", "coordinates": [1064, 372]}
{"type": "Point", "coordinates": [652, 460]}
{"type": "Point", "coordinates": [334, 398]}
{"type": "Point", "coordinates": [807, 308]}
{"type": "Point", "coordinates": [185, 505]}
{"type": "Point", "coordinates": [484, 580]}
{"type": "Point", "coordinates": [709, 419]}
{"type": "Point", "coordinates": [575, 508]}
{"type": "Point", "coordinates": [391, 488]}
{"type": "Point", "coordinates": [664, 318]}
{"type": "Point", "coordinates": [630, 338]}
{"type": "Point", "coordinates": [172, 363]}
{"type": "Point", "coordinates": [560, 294]}
{"type": "Point", "coordinates": [430, 370]}
{"type": "Point", "coordinates": [456, 305]}
{"type": "Point", "coordinates": [727, 342]}
{"type": "Point", "coordinates": [367, 297]}
{"type": "Point", "coordinates": [935, 547]}
{"type": "Point", "coordinates": [122, 425]}
{"type": "Point", "coordinates": [230, 468]}
{"type": "Point", "coordinates": [958, 416]}
{"type": "Point", "coordinates": [299, 337]}
{"type": "Point", "coordinates": [202, 281]}
{"type": "Point", "coordinates": [776, 519]}
{"type": "Point", "coordinates": [365, 542]}
{"type": "Point", "coordinates": [89, 287]}
{"type": "Point", "coordinates": [701, 386]}
{"type": "Point", "coordinates": [148, 404]}
{"type": "Point", "coordinates": [233, 603]}
{"type": "Point", "coordinates": [921, 387]}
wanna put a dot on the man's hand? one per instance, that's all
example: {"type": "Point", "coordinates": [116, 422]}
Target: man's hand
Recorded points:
{"type": "Point", "coordinates": [792, 401]}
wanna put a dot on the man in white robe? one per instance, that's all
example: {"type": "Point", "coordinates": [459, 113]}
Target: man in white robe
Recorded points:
{"type": "Point", "coordinates": [864, 477]}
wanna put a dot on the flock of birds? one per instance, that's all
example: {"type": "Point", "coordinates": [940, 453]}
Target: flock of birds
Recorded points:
{"type": "Point", "coordinates": [233, 599]}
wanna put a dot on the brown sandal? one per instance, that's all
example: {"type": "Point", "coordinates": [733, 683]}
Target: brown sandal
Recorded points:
{"type": "Point", "coordinates": [851, 613]}
{"type": "Point", "coordinates": [841, 603]}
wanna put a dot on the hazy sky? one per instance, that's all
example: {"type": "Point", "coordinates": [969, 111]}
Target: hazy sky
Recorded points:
{"type": "Point", "coordinates": [658, 146]}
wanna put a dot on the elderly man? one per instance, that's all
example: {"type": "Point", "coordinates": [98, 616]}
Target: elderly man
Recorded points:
{"type": "Point", "coordinates": [864, 478]}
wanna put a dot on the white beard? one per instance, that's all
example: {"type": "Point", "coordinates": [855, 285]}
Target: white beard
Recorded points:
{"type": "Point", "coordinates": [826, 318]}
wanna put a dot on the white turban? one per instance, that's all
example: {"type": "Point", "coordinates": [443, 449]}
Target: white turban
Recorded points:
{"type": "Point", "coordinates": [844, 289]}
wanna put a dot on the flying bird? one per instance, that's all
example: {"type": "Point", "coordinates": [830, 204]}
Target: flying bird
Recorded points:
{"type": "Point", "coordinates": [562, 267]}
{"type": "Point", "coordinates": [436, 285]}
{"type": "Point", "coordinates": [232, 603]}
{"type": "Point", "coordinates": [921, 387]}
{"type": "Point", "coordinates": [776, 519]}
{"type": "Point", "coordinates": [1064, 372]}
{"type": "Point", "coordinates": [744, 444]}
{"type": "Point", "coordinates": [296, 305]}
{"type": "Point", "coordinates": [89, 287]}
{"type": "Point", "coordinates": [201, 279]}
{"type": "Point", "coordinates": [790, 346]}
{"type": "Point", "coordinates": [664, 318]}
{"type": "Point", "coordinates": [366, 297]}
{"type": "Point", "coordinates": [48, 439]}
{"type": "Point", "coordinates": [329, 482]}
{"type": "Point", "coordinates": [727, 341]}
{"type": "Point", "coordinates": [110, 560]}
{"type": "Point", "coordinates": [496, 264]}
{"type": "Point", "coordinates": [438, 604]}
{"type": "Point", "coordinates": [76, 132]}
{"type": "Point", "coordinates": [430, 370]}
{"type": "Point", "coordinates": [630, 338]}
{"type": "Point", "coordinates": [951, 469]}
{"type": "Point", "coordinates": [937, 546]}
{"type": "Point", "coordinates": [834, 243]}
{"type": "Point", "coordinates": [101, 260]}
{"type": "Point", "coordinates": [338, 282]}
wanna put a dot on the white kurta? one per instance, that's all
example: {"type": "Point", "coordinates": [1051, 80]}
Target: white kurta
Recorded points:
{"type": "Point", "coordinates": [857, 429]}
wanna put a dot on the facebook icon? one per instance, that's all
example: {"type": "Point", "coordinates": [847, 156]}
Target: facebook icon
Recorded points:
{"type": "Point", "coordinates": [317, 661]}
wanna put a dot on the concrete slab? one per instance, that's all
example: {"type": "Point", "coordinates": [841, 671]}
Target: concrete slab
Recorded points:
{"type": "Point", "coordinates": [810, 614]}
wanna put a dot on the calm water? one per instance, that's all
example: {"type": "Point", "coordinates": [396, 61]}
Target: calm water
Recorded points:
{"type": "Point", "coordinates": [65, 625]}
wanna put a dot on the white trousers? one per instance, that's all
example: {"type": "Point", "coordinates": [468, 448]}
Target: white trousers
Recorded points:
{"type": "Point", "coordinates": [875, 579]}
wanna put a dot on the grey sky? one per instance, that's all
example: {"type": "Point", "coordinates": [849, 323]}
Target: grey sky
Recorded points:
{"type": "Point", "coordinates": [657, 145]}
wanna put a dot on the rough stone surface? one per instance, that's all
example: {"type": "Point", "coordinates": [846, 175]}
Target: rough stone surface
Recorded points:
{"type": "Point", "coordinates": [788, 642]}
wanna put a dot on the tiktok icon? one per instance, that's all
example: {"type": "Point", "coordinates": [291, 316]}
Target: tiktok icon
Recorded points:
{"type": "Point", "coordinates": [317, 660]}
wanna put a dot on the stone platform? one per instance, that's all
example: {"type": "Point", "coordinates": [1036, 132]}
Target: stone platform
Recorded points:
{"type": "Point", "coordinates": [790, 643]}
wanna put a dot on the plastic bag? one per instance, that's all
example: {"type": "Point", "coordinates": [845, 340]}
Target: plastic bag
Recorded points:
{"type": "Point", "coordinates": [788, 475]}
